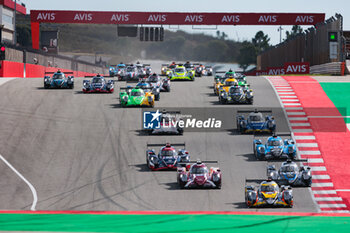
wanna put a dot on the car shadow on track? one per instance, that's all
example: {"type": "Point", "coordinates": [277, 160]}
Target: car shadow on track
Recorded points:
{"type": "Point", "coordinates": [238, 205]}
{"type": "Point", "coordinates": [141, 167]}
{"type": "Point", "coordinates": [249, 157]}
{"type": "Point", "coordinates": [211, 94]}
{"type": "Point", "coordinates": [233, 132]}
{"type": "Point", "coordinates": [171, 185]}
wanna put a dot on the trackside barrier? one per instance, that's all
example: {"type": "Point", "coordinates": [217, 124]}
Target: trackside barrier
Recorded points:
{"type": "Point", "coordinates": [13, 69]}
{"type": "Point", "coordinates": [332, 68]}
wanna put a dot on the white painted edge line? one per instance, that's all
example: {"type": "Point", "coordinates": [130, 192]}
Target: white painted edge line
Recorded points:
{"type": "Point", "coordinates": [315, 161]}
{"type": "Point", "coordinates": [335, 211]}
{"type": "Point", "coordinates": [322, 184]}
{"type": "Point", "coordinates": [307, 144]}
{"type": "Point", "coordinates": [292, 104]}
{"type": "Point", "coordinates": [297, 119]}
{"type": "Point", "coordinates": [321, 177]}
{"type": "Point", "coordinates": [290, 100]}
{"type": "Point", "coordinates": [305, 137]}
{"type": "Point", "coordinates": [318, 168]}
{"type": "Point", "coordinates": [296, 113]}
{"type": "Point", "coordinates": [35, 196]}
{"type": "Point", "coordinates": [332, 205]}
{"type": "Point", "coordinates": [328, 199]}
{"type": "Point", "coordinates": [310, 152]}
{"type": "Point", "coordinates": [284, 92]}
{"type": "Point", "coordinates": [342, 190]}
{"type": "Point", "coordinates": [294, 108]}
{"type": "Point", "coordinates": [300, 124]}
{"type": "Point", "coordinates": [324, 192]}
{"type": "Point", "coordinates": [303, 131]}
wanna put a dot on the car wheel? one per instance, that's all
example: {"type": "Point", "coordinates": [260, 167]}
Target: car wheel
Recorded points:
{"type": "Point", "coordinates": [157, 97]}
{"type": "Point", "coordinates": [168, 89]}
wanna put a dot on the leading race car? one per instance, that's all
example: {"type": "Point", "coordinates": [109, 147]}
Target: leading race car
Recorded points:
{"type": "Point", "coordinates": [168, 124]}
{"type": "Point", "coordinates": [255, 122]}
{"type": "Point", "coordinates": [236, 95]}
{"type": "Point", "coordinates": [58, 80]}
{"type": "Point", "coordinates": [135, 97]}
{"type": "Point", "coordinates": [98, 84]}
{"type": "Point", "coordinates": [198, 175]}
{"type": "Point", "coordinates": [168, 158]}
{"type": "Point", "coordinates": [268, 194]}
{"type": "Point", "coordinates": [146, 86]}
{"type": "Point", "coordinates": [156, 81]}
{"type": "Point", "coordinates": [180, 73]}
{"type": "Point", "coordinates": [290, 174]}
{"type": "Point", "coordinates": [275, 148]}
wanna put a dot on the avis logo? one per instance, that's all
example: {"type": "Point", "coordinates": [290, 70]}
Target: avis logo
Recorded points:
{"type": "Point", "coordinates": [151, 120]}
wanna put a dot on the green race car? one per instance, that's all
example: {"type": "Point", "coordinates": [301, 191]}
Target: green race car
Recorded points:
{"type": "Point", "coordinates": [180, 73]}
{"type": "Point", "coordinates": [135, 97]}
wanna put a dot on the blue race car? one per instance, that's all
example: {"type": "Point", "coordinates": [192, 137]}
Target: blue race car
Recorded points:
{"type": "Point", "coordinates": [58, 80]}
{"type": "Point", "coordinates": [275, 148]}
{"type": "Point", "coordinates": [256, 122]}
{"type": "Point", "coordinates": [143, 84]}
{"type": "Point", "coordinates": [98, 84]}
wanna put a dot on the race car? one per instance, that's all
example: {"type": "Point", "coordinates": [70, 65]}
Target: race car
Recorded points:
{"type": "Point", "coordinates": [180, 73]}
{"type": "Point", "coordinates": [142, 69]}
{"type": "Point", "coordinates": [132, 73]}
{"type": "Point", "coordinates": [268, 194]}
{"type": "Point", "coordinates": [198, 175]}
{"type": "Point", "coordinates": [200, 71]}
{"type": "Point", "coordinates": [167, 68]}
{"type": "Point", "coordinates": [168, 158]}
{"type": "Point", "coordinates": [162, 83]}
{"type": "Point", "coordinates": [120, 71]}
{"type": "Point", "coordinates": [241, 79]}
{"type": "Point", "coordinates": [98, 84]}
{"type": "Point", "coordinates": [290, 174]}
{"type": "Point", "coordinates": [146, 86]}
{"type": "Point", "coordinates": [58, 80]}
{"type": "Point", "coordinates": [209, 70]}
{"type": "Point", "coordinates": [168, 124]}
{"type": "Point", "coordinates": [275, 148]}
{"type": "Point", "coordinates": [135, 97]}
{"type": "Point", "coordinates": [255, 122]}
{"type": "Point", "coordinates": [236, 95]}
{"type": "Point", "coordinates": [164, 69]}
{"type": "Point", "coordinates": [225, 84]}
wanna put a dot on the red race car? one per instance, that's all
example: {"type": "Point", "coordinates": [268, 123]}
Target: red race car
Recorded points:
{"type": "Point", "coordinates": [198, 175]}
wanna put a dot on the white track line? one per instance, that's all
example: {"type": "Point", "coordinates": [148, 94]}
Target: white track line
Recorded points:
{"type": "Point", "coordinates": [320, 177]}
{"type": "Point", "coordinates": [316, 169]}
{"type": "Point", "coordinates": [328, 199]}
{"type": "Point", "coordinates": [326, 184]}
{"type": "Point", "coordinates": [324, 191]}
{"type": "Point", "coordinates": [307, 144]}
{"type": "Point", "coordinates": [310, 152]}
{"type": "Point", "coordinates": [35, 196]}
{"type": "Point", "coordinates": [315, 161]}
{"type": "Point", "coordinates": [305, 137]}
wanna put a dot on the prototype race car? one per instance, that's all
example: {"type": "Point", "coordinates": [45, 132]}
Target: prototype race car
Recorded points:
{"type": "Point", "coordinates": [290, 174]}
{"type": "Point", "coordinates": [255, 122]}
{"type": "Point", "coordinates": [199, 70]}
{"type": "Point", "coordinates": [268, 194]}
{"type": "Point", "coordinates": [275, 148]}
{"type": "Point", "coordinates": [98, 84]}
{"type": "Point", "coordinates": [168, 124]}
{"type": "Point", "coordinates": [58, 80]}
{"type": "Point", "coordinates": [146, 86]}
{"type": "Point", "coordinates": [224, 84]}
{"type": "Point", "coordinates": [180, 73]}
{"type": "Point", "coordinates": [241, 79]}
{"type": "Point", "coordinates": [167, 68]}
{"type": "Point", "coordinates": [132, 73]}
{"type": "Point", "coordinates": [209, 70]}
{"type": "Point", "coordinates": [168, 158]}
{"type": "Point", "coordinates": [236, 95]}
{"type": "Point", "coordinates": [198, 175]}
{"type": "Point", "coordinates": [135, 97]}
{"type": "Point", "coordinates": [117, 70]}
{"type": "Point", "coordinates": [162, 83]}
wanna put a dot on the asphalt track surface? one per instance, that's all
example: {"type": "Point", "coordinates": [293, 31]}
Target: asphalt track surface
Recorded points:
{"type": "Point", "coordinates": [84, 152]}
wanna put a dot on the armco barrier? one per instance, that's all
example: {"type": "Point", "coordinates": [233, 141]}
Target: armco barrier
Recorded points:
{"type": "Point", "coordinates": [332, 68]}
{"type": "Point", "coordinates": [11, 69]}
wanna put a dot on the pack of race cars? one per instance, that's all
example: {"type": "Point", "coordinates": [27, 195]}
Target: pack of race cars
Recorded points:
{"type": "Point", "coordinates": [231, 88]}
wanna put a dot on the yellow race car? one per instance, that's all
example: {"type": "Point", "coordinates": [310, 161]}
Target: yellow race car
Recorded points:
{"type": "Point", "coordinates": [224, 84]}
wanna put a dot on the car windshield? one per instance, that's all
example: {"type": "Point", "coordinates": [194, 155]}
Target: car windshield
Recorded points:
{"type": "Point", "coordinates": [188, 65]}
{"type": "Point", "coordinates": [58, 76]}
{"type": "Point", "coordinates": [268, 188]}
{"type": "Point", "coordinates": [130, 69]}
{"type": "Point", "coordinates": [199, 170]}
{"type": "Point", "coordinates": [180, 70]}
{"type": "Point", "coordinates": [256, 117]}
{"type": "Point", "coordinates": [274, 143]}
{"type": "Point", "coordinates": [172, 66]}
{"type": "Point", "coordinates": [137, 93]}
{"type": "Point", "coordinates": [153, 78]}
{"type": "Point", "coordinates": [235, 90]}
{"type": "Point", "coordinates": [230, 83]}
{"type": "Point", "coordinates": [166, 153]}
{"type": "Point", "coordinates": [97, 80]}
{"type": "Point", "coordinates": [288, 168]}
{"type": "Point", "coordinates": [229, 75]}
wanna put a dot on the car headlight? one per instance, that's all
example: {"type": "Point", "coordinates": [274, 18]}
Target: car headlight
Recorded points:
{"type": "Point", "coordinates": [150, 98]}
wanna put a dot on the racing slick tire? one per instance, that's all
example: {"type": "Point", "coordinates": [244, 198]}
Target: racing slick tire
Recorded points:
{"type": "Point", "coordinates": [46, 86]}
{"type": "Point", "coordinates": [71, 86]}
{"type": "Point", "coordinates": [181, 131]}
{"type": "Point", "coordinates": [157, 97]}
{"type": "Point", "coordinates": [167, 89]}
{"type": "Point", "coordinates": [222, 100]}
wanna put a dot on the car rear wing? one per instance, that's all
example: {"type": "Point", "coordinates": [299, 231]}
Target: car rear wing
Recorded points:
{"type": "Point", "coordinates": [250, 111]}
{"type": "Point", "coordinates": [53, 72]}
{"type": "Point", "coordinates": [144, 65]}
{"type": "Point", "coordinates": [163, 144]}
{"type": "Point", "coordinates": [282, 134]}
{"type": "Point", "coordinates": [219, 72]}
{"type": "Point", "coordinates": [132, 81]}
{"type": "Point", "coordinates": [285, 160]}
{"type": "Point", "coordinates": [165, 64]}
